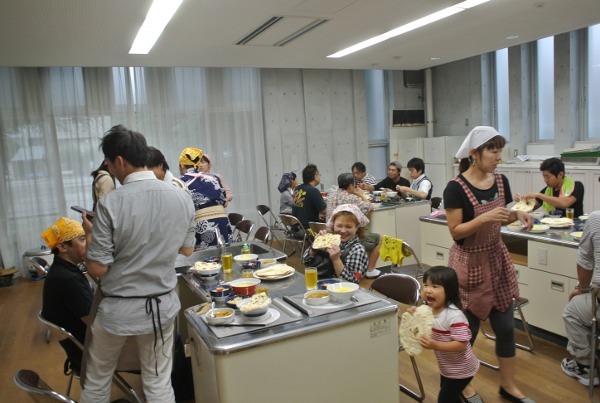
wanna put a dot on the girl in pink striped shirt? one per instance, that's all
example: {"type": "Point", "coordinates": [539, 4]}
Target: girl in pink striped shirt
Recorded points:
{"type": "Point", "coordinates": [450, 333]}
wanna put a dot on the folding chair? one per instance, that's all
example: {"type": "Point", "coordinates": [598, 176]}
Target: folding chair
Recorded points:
{"type": "Point", "coordinates": [234, 219]}
{"type": "Point", "coordinates": [288, 222]}
{"type": "Point", "coordinates": [272, 223]}
{"type": "Point", "coordinates": [62, 334]}
{"type": "Point", "coordinates": [39, 390]}
{"type": "Point", "coordinates": [316, 227]}
{"type": "Point", "coordinates": [519, 303]}
{"type": "Point", "coordinates": [263, 234]}
{"type": "Point", "coordinates": [418, 267]}
{"type": "Point", "coordinates": [244, 226]}
{"type": "Point", "coordinates": [40, 265]}
{"type": "Point", "coordinates": [406, 290]}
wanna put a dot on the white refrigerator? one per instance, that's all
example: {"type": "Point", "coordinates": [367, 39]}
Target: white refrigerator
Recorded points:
{"type": "Point", "coordinates": [438, 154]}
{"type": "Point", "coordinates": [407, 149]}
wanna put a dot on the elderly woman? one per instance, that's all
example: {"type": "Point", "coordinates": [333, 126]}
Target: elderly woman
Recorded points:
{"type": "Point", "coordinates": [205, 166]}
{"type": "Point", "coordinates": [208, 195]}
{"type": "Point", "coordinates": [286, 187]}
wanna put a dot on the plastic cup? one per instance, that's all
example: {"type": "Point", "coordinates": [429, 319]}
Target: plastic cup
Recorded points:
{"type": "Point", "coordinates": [262, 288]}
{"type": "Point", "coordinates": [227, 262]}
{"type": "Point", "coordinates": [570, 213]}
{"type": "Point", "coordinates": [247, 273]}
{"type": "Point", "coordinates": [311, 277]}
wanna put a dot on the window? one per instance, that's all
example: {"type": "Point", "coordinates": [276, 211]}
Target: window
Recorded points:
{"type": "Point", "coordinates": [502, 93]}
{"type": "Point", "coordinates": [593, 78]}
{"type": "Point", "coordinates": [545, 88]}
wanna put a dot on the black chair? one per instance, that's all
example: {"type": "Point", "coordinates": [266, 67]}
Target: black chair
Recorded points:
{"type": "Point", "coordinates": [263, 234]}
{"type": "Point", "coordinates": [435, 203]}
{"type": "Point", "coordinates": [271, 222]}
{"type": "Point", "coordinates": [234, 219]}
{"type": "Point", "coordinates": [406, 290]}
{"type": "Point", "coordinates": [62, 334]}
{"type": "Point", "coordinates": [39, 390]}
{"type": "Point", "coordinates": [244, 226]}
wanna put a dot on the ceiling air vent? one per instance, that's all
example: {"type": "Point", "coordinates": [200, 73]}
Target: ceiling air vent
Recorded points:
{"type": "Point", "coordinates": [279, 31]}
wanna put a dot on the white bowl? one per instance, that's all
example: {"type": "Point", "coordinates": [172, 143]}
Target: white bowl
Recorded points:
{"type": "Point", "coordinates": [220, 320]}
{"type": "Point", "coordinates": [342, 292]}
{"type": "Point", "coordinates": [377, 192]}
{"type": "Point", "coordinates": [244, 257]}
{"type": "Point", "coordinates": [538, 215]}
{"type": "Point", "coordinates": [391, 194]}
{"type": "Point", "coordinates": [207, 272]}
{"type": "Point", "coordinates": [317, 297]}
{"type": "Point", "coordinates": [267, 262]}
{"type": "Point", "coordinates": [516, 226]}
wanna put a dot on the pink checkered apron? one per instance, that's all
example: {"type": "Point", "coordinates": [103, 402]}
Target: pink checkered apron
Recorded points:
{"type": "Point", "coordinates": [486, 275]}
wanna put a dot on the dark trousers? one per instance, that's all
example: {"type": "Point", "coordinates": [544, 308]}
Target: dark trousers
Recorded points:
{"type": "Point", "coordinates": [451, 389]}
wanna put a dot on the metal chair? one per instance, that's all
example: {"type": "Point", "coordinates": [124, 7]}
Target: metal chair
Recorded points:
{"type": "Point", "coordinates": [406, 290]}
{"type": "Point", "coordinates": [244, 226]}
{"type": "Point", "coordinates": [263, 234]}
{"type": "Point", "coordinates": [316, 227]}
{"type": "Point", "coordinates": [62, 334]}
{"type": "Point", "coordinates": [595, 342]}
{"type": "Point", "coordinates": [234, 219]}
{"type": "Point", "coordinates": [288, 222]}
{"type": "Point", "coordinates": [272, 223]}
{"type": "Point", "coordinates": [519, 303]}
{"type": "Point", "coordinates": [418, 267]}
{"type": "Point", "coordinates": [40, 265]}
{"type": "Point", "coordinates": [39, 390]}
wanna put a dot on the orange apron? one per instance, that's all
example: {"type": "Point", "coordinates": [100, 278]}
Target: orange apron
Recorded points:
{"type": "Point", "coordinates": [486, 275]}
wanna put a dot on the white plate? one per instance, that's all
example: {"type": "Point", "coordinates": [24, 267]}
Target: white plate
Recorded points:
{"type": "Point", "coordinates": [271, 278]}
{"type": "Point", "coordinates": [576, 235]}
{"type": "Point", "coordinates": [561, 226]}
{"type": "Point", "coordinates": [539, 231]}
{"type": "Point", "coordinates": [583, 217]}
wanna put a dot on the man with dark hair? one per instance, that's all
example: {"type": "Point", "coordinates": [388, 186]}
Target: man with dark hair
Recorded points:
{"type": "Point", "coordinates": [158, 164]}
{"type": "Point", "coordinates": [359, 170]}
{"type": "Point", "coordinates": [138, 231]}
{"type": "Point", "coordinates": [308, 204]}
{"type": "Point", "coordinates": [393, 179]}
{"type": "Point", "coordinates": [349, 194]}
{"type": "Point", "coordinates": [421, 188]}
{"type": "Point", "coordinates": [67, 297]}
{"type": "Point", "coordinates": [561, 191]}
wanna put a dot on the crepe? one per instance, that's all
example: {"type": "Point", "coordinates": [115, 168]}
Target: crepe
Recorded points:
{"type": "Point", "coordinates": [256, 302]}
{"type": "Point", "coordinates": [413, 326]}
{"type": "Point", "coordinates": [525, 205]}
{"type": "Point", "coordinates": [277, 270]}
{"type": "Point", "coordinates": [326, 240]}
{"type": "Point", "coordinates": [557, 222]}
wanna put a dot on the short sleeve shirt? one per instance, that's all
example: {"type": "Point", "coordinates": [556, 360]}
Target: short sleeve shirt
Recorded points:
{"type": "Point", "coordinates": [577, 194]}
{"type": "Point", "coordinates": [390, 184]}
{"type": "Point", "coordinates": [307, 204]}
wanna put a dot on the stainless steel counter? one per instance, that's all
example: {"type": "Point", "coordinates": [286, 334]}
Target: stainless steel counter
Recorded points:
{"type": "Point", "coordinates": [559, 237]}
{"type": "Point", "coordinates": [400, 203]}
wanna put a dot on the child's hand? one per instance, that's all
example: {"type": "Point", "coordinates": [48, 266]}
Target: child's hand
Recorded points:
{"type": "Point", "coordinates": [427, 343]}
{"type": "Point", "coordinates": [411, 310]}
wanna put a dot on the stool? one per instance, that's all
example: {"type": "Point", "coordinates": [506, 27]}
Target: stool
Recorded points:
{"type": "Point", "coordinates": [519, 303]}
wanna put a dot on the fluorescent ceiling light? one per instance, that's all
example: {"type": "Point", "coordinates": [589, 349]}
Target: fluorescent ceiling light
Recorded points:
{"type": "Point", "coordinates": [428, 19]}
{"type": "Point", "coordinates": [159, 15]}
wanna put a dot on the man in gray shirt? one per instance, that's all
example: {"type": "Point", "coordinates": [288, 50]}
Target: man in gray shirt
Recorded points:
{"type": "Point", "coordinates": [138, 231]}
{"type": "Point", "coordinates": [577, 314]}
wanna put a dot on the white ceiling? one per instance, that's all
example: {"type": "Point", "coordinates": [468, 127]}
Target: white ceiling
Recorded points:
{"type": "Point", "coordinates": [204, 32]}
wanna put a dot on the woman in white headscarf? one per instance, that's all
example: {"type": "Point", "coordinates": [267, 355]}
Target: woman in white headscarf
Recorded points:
{"type": "Point", "coordinates": [475, 203]}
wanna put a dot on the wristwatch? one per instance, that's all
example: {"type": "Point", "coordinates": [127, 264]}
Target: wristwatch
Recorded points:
{"type": "Point", "coordinates": [582, 289]}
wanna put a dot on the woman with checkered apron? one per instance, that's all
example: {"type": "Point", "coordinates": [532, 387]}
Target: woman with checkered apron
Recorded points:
{"type": "Point", "coordinates": [475, 203]}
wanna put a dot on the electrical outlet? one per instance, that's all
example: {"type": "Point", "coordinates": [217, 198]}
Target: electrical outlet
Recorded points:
{"type": "Point", "coordinates": [543, 257]}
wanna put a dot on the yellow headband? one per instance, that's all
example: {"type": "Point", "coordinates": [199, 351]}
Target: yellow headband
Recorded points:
{"type": "Point", "coordinates": [63, 230]}
{"type": "Point", "coordinates": [191, 156]}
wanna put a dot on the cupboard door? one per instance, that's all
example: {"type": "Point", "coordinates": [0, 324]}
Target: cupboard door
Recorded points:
{"type": "Point", "coordinates": [522, 181]}
{"type": "Point", "coordinates": [584, 176]}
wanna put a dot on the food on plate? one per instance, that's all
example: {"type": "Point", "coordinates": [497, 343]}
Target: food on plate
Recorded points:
{"type": "Point", "coordinates": [247, 257]}
{"type": "Point", "coordinates": [267, 262]}
{"type": "Point", "coordinates": [220, 289]}
{"type": "Point", "coordinates": [222, 314]}
{"type": "Point", "coordinates": [583, 217]}
{"type": "Point", "coordinates": [326, 240]}
{"type": "Point", "coordinates": [557, 221]}
{"type": "Point", "coordinates": [206, 266]}
{"type": "Point", "coordinates": [277, 270]}
{"type": "Point", "coordinates": [255, 303]}
{"type": "Point", "coordinates": [413, 326]}
{"type": "Point", "coordinates": [577, 234]}
{"type": "Point", "coordinates": [525, 205]}
{"type": "Point", "coordinates": [516, 224]}
{"type": "Point", "coordinates": [343, 289]}
{"type": "Point", "coordinates": [235, 300]}
{"type": "Point", "coordinates": [539, 228]}
{"type": "Point", "coordinates": [317, 294]}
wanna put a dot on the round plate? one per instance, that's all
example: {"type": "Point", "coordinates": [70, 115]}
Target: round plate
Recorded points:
{"type": "Point", "coordinates": [541, 230]}
{"type": "Point", "coordinates": [273, 278]}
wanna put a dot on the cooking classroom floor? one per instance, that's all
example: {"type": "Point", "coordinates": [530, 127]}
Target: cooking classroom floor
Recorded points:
{"type": "Point", "coordinates": [23, 346]}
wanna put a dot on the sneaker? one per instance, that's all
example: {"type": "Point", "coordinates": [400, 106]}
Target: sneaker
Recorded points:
{"type": "Point", "coordinates": [578, 371]}
{"type": "Point", "coordinates": [373, 273]}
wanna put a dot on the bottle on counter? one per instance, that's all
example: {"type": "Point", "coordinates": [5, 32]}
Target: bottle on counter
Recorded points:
{"type": "Point", "coordinates": [245, 249]}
